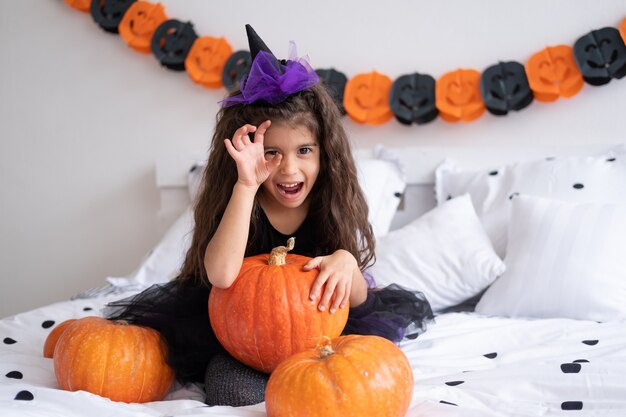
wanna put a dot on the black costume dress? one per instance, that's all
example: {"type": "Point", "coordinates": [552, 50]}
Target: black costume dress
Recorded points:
{"type": "Point", "coordinates": [179, 312]}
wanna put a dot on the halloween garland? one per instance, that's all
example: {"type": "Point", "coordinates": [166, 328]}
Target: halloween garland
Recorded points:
{"type": "Point", "coordinates": [373, 98]}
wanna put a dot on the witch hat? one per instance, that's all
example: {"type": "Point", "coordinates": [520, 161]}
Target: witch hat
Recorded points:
{"type": "Point", "coordinates": [269, 79]}
{"type": "Point", "coordinates": [257, 45]}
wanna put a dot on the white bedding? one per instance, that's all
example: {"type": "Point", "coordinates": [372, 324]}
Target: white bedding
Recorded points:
{"type": "Point", "coordinates": [464, 365]}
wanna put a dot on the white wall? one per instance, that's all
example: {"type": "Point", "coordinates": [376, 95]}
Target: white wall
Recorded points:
{"type": "Point", "coordinates": [83, 118]}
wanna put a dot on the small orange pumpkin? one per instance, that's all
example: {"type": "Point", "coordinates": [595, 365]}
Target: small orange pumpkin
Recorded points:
{"type": "Point", "coordinates": [351, 376]}
{"type": "Point", "coordinates": [622, 29]}
{"type": "Point", "coordinates": [206, 59]}
{"type": "Point", "coordinates": [266, 315]}
{"type": "Point", "coordinates": [112, 359]}
{"type": "Point", "coordinates": [53, 337]}
{"type": "Point", "coordinates": [458, 96]}
{"type": "Point", "coordinates": [366, 98]}
{"type": "Point", "coordinates": [139, 24]}
{"type": "Point", "coordinates": [553, 73]}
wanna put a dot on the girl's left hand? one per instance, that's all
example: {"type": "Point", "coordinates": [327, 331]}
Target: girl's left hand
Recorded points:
{"type": "Point", "coordinates": [336, 271]}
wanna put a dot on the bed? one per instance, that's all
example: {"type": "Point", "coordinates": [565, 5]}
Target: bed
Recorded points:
{"type": "Point", "coordinates": [520, 254]}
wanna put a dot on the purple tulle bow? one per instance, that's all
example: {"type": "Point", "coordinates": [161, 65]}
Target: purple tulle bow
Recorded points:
{"type": "Point", "coordinates": [273, 82]}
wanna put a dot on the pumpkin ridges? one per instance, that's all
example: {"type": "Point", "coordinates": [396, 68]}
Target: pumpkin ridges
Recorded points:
{"type": "Point", "coordinates": [123, 363]}
{"type": "Point", "coordinates": [307, 384]}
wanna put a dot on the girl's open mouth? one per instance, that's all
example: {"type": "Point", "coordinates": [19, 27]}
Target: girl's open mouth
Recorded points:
{"type": "Point", "coordinates": [290, 189]}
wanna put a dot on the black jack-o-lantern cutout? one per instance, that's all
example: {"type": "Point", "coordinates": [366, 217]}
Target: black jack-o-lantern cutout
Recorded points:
{"type": "Point", "coordinates": [504, 87]}
{"type": "Point", "coordinates": [601, 56]}
{"type": "Point", "coordinates": [335, 82]}
{"type": "Point", "coordinates": [171, 43]}
{"type": "Point", "coordinates": [109, 13]}
{"type": "Point", "coordinates": [236, 66]}
{"type": "Point", "coordinates": [412, 99]}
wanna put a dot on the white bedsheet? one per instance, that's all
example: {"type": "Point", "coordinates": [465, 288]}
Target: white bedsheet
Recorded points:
{"type": "Point", "coordinates": [464, 365]}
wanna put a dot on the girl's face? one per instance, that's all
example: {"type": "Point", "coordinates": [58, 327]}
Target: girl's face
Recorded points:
{"type": "Point", "coordinates": [291, 183]}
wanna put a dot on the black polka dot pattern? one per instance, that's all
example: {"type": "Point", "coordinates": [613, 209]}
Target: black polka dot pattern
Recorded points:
{"type": "Point", "coordinates": [448, 403]}
{"type": "Point", "coordinates": [87, 309]}
{"type": "Point", "coordinates": [570, 368]}
{"type": "Point", "coordinates": [611, 159]}
{"type": "Point", "coordinates": [25, 396]}
{"type": "Point", "coordinates": [493, 173]}
{"type": "Point", "coordinates": [581, 361]}
{"type": "Point", "coordinates": [591, 342]}
{"type": "Point", "coordinates": [572, 405]}
{"type": "Point", "coordinates": [47, 324]}
{"type": "Point", "coordinates": [578, 186]}
{"type": "Point", "coordinates": [9, 341]}
{"type": "Point", "coordinates": [14, 375]}
{"type": "Point", "coordinates": [397, 194]}
{"type": "Point", "coordinates": [513, 195]}
{"type": "Point", "coordinates": [491, 355]}
{"type": "Point", "coordinates": [454, 383]}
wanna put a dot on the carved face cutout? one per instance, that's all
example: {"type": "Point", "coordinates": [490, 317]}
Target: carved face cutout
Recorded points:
{"type": "Point", "coordinates": [206, 59]}
{"type": "Point", "coordinates": [236, 66]}
{"type": "Point", "coordinates": [109, 13]}
{"type": "Point", "coordinates": [171, 43]}
{"type": "Point", "coordinates": [335, 82]}
{"type": "Point", "coordinates": [553, 73]}
{"type": "Point", "coordinates": [366, 98]}
{"type": "Point", "coordinates": [82, 5]}
{"type": "Point", "coordinates": [601, 56]}
{"type": "Point", "coordinates": [412, 99]}
{"type": "Point", "coordinates": [458, 96]}
{"type": "Point", "coordinates": [139, 23]}
{"type": "Point", "coordinates": [504, 87]}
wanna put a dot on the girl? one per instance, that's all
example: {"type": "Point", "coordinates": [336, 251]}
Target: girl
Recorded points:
{"type": "Point", "coordinates": [280, 165]}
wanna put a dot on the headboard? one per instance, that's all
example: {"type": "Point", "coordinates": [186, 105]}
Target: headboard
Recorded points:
{"type": "Point", "coordinates": [419, 163]}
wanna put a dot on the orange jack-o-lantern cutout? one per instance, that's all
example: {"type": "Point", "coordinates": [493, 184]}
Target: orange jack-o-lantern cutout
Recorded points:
{"type": "Point", "coordinates": [458, 96]}
{"type": "Point", "coordinates": [366, 98]}
{"type": "Point", "coordinates": [622, 30]}
{"type": "Point", "coordinates": [139, 23]}
{"type": "Point", "coordinates": [553, 73]}
{"type": "Point", "coordinates": [82, 5]}
{"type": "Point", "coordinates": [206, 59]}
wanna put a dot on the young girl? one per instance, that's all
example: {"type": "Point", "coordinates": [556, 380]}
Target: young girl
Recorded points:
{"type": "Point", "coordinates": [280, 165]}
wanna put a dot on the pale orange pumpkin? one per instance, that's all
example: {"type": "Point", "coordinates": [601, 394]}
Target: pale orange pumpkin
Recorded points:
{"type": "Point", "coordinates": [266, 315]}
{"type": "Point", "coordinates": [112, 359]}
{"type": "Point", "coordinates": [350, 376]}
{"type": "Point", "coordinates": [53, 337]}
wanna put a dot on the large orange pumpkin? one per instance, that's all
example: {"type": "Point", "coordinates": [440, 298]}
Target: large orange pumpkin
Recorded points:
{"type": "Point", "coordinates": [53, 337]}
{"type": "Point", "coordinates": [266, 315]}
{"type": "Point", "coordinates": [351, 376]}
{"type": "Point", "coordinates": [116, 360]}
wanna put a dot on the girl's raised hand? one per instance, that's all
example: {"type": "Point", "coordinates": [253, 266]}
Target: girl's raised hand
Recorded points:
{"type": "Point", "coordinates": [252, 167]}
{"type": "Point", "coordinates": [336, 271]}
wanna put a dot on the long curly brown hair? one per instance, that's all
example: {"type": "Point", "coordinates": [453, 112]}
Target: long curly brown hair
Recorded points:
{"type": "Point", "coordinates": [338, 207]}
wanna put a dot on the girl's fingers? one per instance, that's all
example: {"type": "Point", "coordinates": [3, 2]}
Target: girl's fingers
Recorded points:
{"type": "Point", "coordinates": [331, 284]}
{"type": "Point", "coordinates": [259, 136]}
{"type": "Point", "coordinates": [315, 262]}
{"type": "Point", "coordinates": [230, 148]}
{"type": "Point", "coordinates": [340, 293]}
{"type": "Point", "coordinates": [316, 288]}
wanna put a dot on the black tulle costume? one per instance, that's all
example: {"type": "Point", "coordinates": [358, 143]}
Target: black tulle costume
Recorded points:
{"type": "Point", "coordinates": [179, 312]}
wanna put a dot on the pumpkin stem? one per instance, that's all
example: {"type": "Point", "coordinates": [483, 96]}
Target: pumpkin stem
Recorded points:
{"type": "Point", "coordinates": [279, 253]}
{"type": "Point", "coordinates": [122, 322]}
{"type": "Point", "coordinates": [326, 351]}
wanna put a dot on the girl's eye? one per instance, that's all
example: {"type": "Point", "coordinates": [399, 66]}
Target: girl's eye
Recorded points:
{"type": "Point", "coordinates": [270, 154]}
{"type": "Point", "coordinates": [304, 151]}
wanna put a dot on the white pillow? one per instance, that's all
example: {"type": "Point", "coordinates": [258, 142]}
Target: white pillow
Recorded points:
{"type": "Point", "coordinates": [599, 179]}
{"type": "Point", "coordinates": [445, 253]}
{"type": "Point", "coordinates": [564, 260]}
{"type": "Point", "coordinates": [381, 177]}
